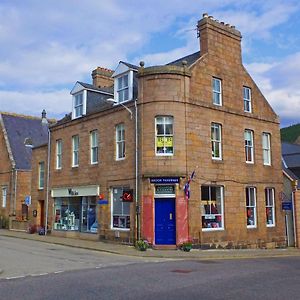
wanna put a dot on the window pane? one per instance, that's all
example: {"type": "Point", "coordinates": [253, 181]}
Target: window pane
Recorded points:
{"type": "Point", "coordinates": [164, 135]}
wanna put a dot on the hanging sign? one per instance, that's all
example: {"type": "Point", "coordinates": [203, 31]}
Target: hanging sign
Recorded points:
{"type": "Point", "coordinates": [127, 196]}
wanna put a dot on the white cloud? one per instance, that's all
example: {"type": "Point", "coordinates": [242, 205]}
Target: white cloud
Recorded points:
{"type": "Point", "coordinates": [56, 103]}
{"type": "Point", "coordinates": [280, 85]}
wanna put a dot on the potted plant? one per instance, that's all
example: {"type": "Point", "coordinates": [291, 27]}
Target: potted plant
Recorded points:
{"type": "Point", "coordinates": [142, 245]}
{"type": "Point", "coordinates": [186, 246]}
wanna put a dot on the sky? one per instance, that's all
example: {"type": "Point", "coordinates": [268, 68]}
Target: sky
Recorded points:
{"type": "Point", "coordinates": [46, 46]}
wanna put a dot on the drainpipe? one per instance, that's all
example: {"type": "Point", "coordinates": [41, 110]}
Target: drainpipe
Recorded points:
{"type": "Point", "coordinates": [48, 180]}
{"type": "Point", "coordinates": [294, 212]}
{"type": "Point", "coordinates": [137, 173]}
{"type": "Point", "coordinates": [15, 192]}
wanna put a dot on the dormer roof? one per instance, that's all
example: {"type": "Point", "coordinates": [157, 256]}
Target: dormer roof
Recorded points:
{"type": "Point", "coordinates": [80, 86]}
{"type": "Point", "coordinates": [124, 67]}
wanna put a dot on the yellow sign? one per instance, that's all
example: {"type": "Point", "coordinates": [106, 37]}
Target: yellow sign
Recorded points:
{"type": "Point", "coordinates": [164, 141]}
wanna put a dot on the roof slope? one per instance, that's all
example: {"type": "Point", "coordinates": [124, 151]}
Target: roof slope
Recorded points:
{"type": "Point", "coordinates": [190, 59]}
{"type": "Point", "coordinates": [19, 128]}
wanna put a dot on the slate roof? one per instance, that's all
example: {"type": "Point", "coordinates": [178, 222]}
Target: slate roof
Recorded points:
{"type": "Point", "coordinates": [131, 66]}
{"type": "Point", "coordinates": [18, 128]}
{"type": "Point", "coordinates": [291, 154]}
{"type": "Point", "coordinates": [109, 90]}
{"type": "Point", "coordinates": [190, 59]}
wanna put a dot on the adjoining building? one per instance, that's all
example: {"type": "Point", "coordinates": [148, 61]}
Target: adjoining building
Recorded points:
{"type": "Point", "coordinates": [291, 191]}
{"type": "Point", "coordinates": [184, 151]}
{"type": "Point", "coordinates": [18, 135]}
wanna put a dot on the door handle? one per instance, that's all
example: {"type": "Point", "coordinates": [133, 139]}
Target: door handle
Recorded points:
{"type": "Point", "coordinates": [171, 216]}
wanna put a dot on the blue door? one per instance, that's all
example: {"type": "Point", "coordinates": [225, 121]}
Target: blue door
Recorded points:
{"type": "Point", "coordinates": [165, 221]}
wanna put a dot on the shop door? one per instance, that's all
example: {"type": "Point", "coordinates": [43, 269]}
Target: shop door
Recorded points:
{"type": "Point", "coordinates": [165, 221]}
{"type": "Point", "coordinates": [41, 213]}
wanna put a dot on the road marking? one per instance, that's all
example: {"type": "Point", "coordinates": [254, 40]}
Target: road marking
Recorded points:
{"type": "Point", "coordinates": [58, 272]}
{"type": "Point", "coordinates": [15, 277]}
{"type": "Point", "coordinates": [41, 274]}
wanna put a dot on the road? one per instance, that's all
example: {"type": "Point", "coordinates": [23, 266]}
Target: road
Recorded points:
{"type": "Point", "coordinates": [70, 273]}
{"type": "Point", "coordinates": [21, 257]}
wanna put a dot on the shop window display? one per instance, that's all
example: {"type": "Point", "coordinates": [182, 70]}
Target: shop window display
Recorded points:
{"type": "Point", "coordinates": [75, 214]}
{"type": "Point", "coordinates": [120, 210]}
{"type": "Point", "coordinates": [212, 207]}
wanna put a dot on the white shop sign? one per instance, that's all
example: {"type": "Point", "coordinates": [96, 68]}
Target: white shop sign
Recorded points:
{"type": "Point", "coordinates": [76, 191]}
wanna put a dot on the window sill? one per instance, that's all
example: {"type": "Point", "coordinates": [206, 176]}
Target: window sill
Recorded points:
{"type": "Point", "coordinates": [40, 189]}
{"type": "Point", "coordinates": [212, 229]}
{"type": "Point", "coordinates": [251, 227]}
{"type": "Point", "coordinates": [58, 170]}
{"type": "Point", "coordinates": [94, 164]}
{"type": "Point", "coordinates": [75, 167]}
{"type": "Point", "coordinates": [217, 160]}
{"type": "Point", "coordinates": [119, 229]}
{"type": "Point", "coordinates": [120, 159]}
{"type": "Point", "coordinates": [267, 165]}
{"type": "Point", "coordinates": [250, 163]}
{"type": "Point", "coordinates": [164, 155]}
{"type": "Point", "coordinates": [271, 226]}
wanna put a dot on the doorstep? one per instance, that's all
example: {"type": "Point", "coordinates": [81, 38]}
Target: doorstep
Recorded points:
{"type": "Point", "coordinates": [164, 247]}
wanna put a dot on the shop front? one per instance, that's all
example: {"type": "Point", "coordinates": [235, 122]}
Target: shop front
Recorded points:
{"type": "Point", "coordinates": [165, 213]}
{"type": "Point", "coordinates": [75, 209]}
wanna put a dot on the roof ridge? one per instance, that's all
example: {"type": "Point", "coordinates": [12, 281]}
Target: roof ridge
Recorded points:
{"type": "Point", "coordinates": [13, 114]}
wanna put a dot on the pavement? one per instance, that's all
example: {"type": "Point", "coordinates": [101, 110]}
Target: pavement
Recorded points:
{"type": "Point", "coordinates": [121, 249]}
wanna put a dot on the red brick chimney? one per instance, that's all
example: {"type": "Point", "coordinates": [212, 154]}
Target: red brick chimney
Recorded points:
{"type": "Point", "coordinates": [220, 39]}
{"type": "Point", "coordinates": [102, 77]}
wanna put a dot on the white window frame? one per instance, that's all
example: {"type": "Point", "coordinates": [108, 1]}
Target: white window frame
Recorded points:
{"type": "Point", "coordinates": [266, 148]}
{"type": "Point", "coordinates": [41, 182]}
{"type": "Point", "coordinates": [217, 93]}
{"type": "Point", "coordinates": [58, 165]}
{"type": "Point", "coordinates": [249, 145]}
{"type": "Point", "coordinates": [247, 99]}
{"type": "Point", "coordinates": [270, 205]}
{"type": "Point", "coordinates": [75, 151]}
{"type": "Point", "coordinates": [94, 146]}
{"type": "Point", "coordinates": [216, 141]}
{"type": "Point", "coordinates": [129, 87]}
{"type": "Point", "coordinates": [251, 206]}
{"type": "Point", "coordinates": [83, 95]}
{"type": "Point", "coordinates": [4, 196]}
{"type": "Point", "coordinates": [120, 142]}
{"type": "Point", "coordinates": [112, 211]}
{"type": "Point", "coordinates": [165, 136]}
{"type": "Point", "coordinates": [211, 215]}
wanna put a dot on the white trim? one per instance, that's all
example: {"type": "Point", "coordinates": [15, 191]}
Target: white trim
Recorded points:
{"type": "Point", "coordinates": [217, 92]}
{"type": "Point", "coordinates": [4, 199]}
{"type": "Point", "coordinates": [247, 100]}
{"type": "Point", "coordinates": [268, 149]}
{"type": "Point", "coordinates": [73, 151]}
{"type": "Point", "coordinates": [164, 135]}
{"type": "Point", "coordinates": [57, 167]}
{"type": "Point", "coordinates": [219, 142]}
{"type": "Point", "coordinates": [255, 206]}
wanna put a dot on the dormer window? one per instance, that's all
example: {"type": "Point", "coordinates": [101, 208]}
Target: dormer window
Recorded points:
{"type": "Point", "coordinates": [79, 104]}
{"type": "Point", "coordinates": [123, 82]}
{"type": "Point", "coordinates": [123, 88]}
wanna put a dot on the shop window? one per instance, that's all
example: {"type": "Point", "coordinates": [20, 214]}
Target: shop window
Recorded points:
{"type": "Point", "coordinates": [266, 145]}
{"type": "Point", "coordinates": [217, 91]}
{"type": "Point", "coordinates": [247, 99]}
{"type": "Point", "coordinates": [251, 207]}
{"type": "Point", "coordinates": [67, 214]}
{"type": "Point", "coordinates": [58, 154]}
{"type": "Point", "coordinates": [41, 175]}
{"type": "Point", "coordinates": [4, 196]}
{"type": "Point", "coordinates": [270, 206]}
{"type": "Point", "coordinates": [212, 207]}
{"type": "Point", "coordinates": [164, 135]}
{"type": "Point", "coordinates": [216, 141]}
{"type": "Point", "coordinates": [120, 210]}
{"type": "Point", "coordinates": [94, 146]}
{"type": "Point", "coordinates": [75, 151]}
{"type": "Point", "coordinates": [249, 149]}
{"type": "Point", "coordinates": [120, 141]}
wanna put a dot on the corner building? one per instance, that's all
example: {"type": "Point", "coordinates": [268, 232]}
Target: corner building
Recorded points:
{"type": "Point", "coordinates": [206, 166]}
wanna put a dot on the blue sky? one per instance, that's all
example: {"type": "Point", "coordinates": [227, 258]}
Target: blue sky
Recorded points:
{"type": "Point", "coordinates": [46, 46]}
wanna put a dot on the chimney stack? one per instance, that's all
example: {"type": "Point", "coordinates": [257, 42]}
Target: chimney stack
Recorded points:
{"type": "Point", "coordinates": [102, 77]}
{"type": "Point", "coordinates": [219, 38]}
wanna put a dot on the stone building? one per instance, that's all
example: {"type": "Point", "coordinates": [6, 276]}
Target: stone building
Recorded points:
{"type": "Point", "coordinates": [18, 135]}
{"type": "Point", "coordinates": [185, 151]}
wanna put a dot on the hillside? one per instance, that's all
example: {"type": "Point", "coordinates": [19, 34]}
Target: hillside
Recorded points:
{"type": "Point", "coordinates": [290, 134]}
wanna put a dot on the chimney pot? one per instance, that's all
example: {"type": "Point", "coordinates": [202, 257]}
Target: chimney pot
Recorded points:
{"type": "Point", "coordinates": [205, 15]}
